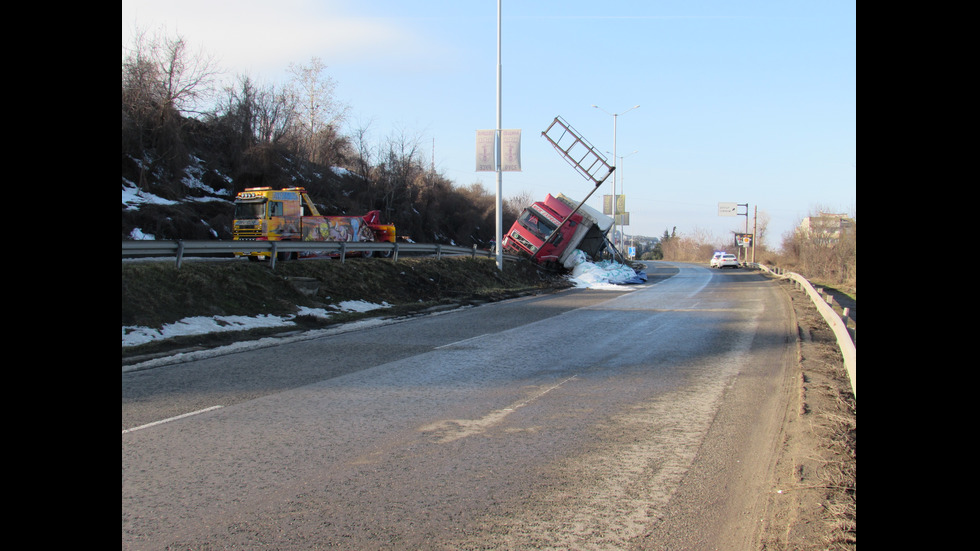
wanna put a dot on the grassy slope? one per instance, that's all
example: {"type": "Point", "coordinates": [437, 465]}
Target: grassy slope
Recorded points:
{"type": "Point", "coordinates": [157, 293]}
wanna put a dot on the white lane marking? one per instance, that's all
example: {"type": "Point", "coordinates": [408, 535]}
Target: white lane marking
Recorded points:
{"type": "Point", "coordinates": [454, 429]}
{"type": "Point", "coordinates": [205, 410]}
{"type": "Point", "coordinates": [462, 341]}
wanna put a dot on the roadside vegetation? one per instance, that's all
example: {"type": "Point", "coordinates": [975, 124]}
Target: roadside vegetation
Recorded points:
{"type": "Point", "coordinates": [191, 144]}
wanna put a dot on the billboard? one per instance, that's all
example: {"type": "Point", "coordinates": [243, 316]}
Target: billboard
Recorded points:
{"type": "Point", "coordinates": [743, 240]}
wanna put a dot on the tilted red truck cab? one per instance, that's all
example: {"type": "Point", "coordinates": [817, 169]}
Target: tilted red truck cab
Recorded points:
{"type": "Point", "coordinates": [585, 230]}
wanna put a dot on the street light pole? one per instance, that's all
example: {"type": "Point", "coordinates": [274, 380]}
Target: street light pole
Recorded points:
{"type": "Point", "coordinates": [498, 244]}
{"type": "Point", "coordinates": [622, 190]}
{"type": "Point", "coordinates": [615, 116]}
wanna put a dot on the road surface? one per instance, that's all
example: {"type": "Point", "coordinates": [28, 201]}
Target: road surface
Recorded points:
{"type": "Point", "coordinates": [639, 419]}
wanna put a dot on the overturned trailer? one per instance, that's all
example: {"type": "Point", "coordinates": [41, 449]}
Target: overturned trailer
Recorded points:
{"type": "Point", "coordinates": [549, 231]}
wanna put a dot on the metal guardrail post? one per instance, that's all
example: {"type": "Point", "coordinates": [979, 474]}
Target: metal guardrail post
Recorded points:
{"type": "Point", "coordinates": [180, 252]}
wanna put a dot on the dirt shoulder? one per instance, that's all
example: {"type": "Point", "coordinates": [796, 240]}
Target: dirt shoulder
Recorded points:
{"type": "Point", "coordinates": [814, 504]}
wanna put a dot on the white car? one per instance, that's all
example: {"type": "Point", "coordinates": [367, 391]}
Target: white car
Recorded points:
{"type": "Point", "coordinates": [715, 259]}
{"type": "Point", "coordinates": [727, 261]}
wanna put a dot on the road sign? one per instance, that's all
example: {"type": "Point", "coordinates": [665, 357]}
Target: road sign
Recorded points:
{"type": "Point", "coordinates": [727, 209]}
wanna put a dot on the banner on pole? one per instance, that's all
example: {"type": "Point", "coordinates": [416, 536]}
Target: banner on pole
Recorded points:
{"type": "Point", "coordinates": [510, 150]}
{"type": "Point", "coordinates": [607, 203]}
{"type": "Point", "coordinates": [485, 161]}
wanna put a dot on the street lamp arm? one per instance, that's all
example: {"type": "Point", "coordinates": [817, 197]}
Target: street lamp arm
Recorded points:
{"type": "Point", "coordinates": [614, 114]}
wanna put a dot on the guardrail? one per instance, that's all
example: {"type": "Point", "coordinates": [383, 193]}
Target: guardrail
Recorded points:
{"type": "Point", "coordinates": [837, 324]}
{"type": "Point", "coordinates": [181, 249]}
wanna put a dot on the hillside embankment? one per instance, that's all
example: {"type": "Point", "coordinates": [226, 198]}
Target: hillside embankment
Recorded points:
{"type": "Point", "coordinates": [155, 293]}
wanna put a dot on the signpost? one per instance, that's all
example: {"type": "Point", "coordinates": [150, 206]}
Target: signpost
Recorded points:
{"type": "Point", "coordinates": [731, 209]}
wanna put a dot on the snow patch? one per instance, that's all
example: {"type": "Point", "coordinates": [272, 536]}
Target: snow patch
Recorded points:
{"type": "Point", "coordinates": [200, 325]}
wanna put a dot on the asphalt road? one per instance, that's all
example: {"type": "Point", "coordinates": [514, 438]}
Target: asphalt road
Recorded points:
{"type": "Point", "coordinates": [637, 419]}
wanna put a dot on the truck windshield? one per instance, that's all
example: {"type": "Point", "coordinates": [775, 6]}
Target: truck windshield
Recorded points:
{"type": "Point", "coordinates": [538, 226]}
{"type": "Point", "coordinates": [249, 211]}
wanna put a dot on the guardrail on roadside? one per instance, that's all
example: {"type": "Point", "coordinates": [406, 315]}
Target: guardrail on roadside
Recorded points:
{"type": "Point", "coordinates": [181, 249]}
{"type": "Point", "coordinates": [836, 323]}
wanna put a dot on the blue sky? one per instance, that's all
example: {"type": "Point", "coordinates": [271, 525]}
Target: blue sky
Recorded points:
{"type": "Point", "coordinates": [747, 102]}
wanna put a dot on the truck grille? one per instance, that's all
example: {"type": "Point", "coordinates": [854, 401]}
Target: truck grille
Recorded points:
{"type": "Point", "coordinates": [247, 234]}
{"type": "Point", "coordinates": [523, 241]}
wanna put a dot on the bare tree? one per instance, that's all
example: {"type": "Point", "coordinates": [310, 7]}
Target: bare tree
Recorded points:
{"type": "Point", "coordinates": [161, 80]}
{"type": "Point", "coordinates": [141, 90]}
{"type": "Point", "coordinates": [761, 230]}
{"type": "Point", "coordinates": [188, 79]}
{"type": "Point", "coordinates": [276, 113]}
{"type": "Point", "coordinates": [361, 158]}
{"type": "Point", "coordinates": [398, 164]}
{"type": "Point", "coordinates": [827, 252]}
{"type": "Point", "coordinates": [316, 105]}
{"type": "Point", "coordinates": [517, 203]}
{"type": "Point", "coordinates": [141, 93]}
{"type": "Point", "coordinates": [238, 112]}
{"type": "Point", "coordinates": [256, 113]}
{"type": "Point", "coordinates": [695, 247]}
